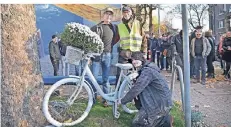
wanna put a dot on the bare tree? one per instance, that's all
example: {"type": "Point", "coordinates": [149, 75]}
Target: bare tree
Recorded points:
{"type": "Point", "coordinates": [197, 13]}
{"type": "Point", "coordinates": [144, 12]}
{"type": "Point", "coordinates": [151, 8]}
{"type": "Point", "coordinates": [141, 13]}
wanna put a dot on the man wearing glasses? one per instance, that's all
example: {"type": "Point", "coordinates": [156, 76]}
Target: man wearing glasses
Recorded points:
{"type": "Point", "coordinates": [200, 49]}
{"type": "Point", "coordinates": [108, 32]}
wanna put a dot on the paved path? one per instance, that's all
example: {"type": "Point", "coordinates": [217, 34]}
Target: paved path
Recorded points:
{"type": "Point", "coordinates": [214, 100]}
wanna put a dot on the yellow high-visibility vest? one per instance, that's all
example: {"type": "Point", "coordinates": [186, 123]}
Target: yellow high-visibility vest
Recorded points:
{"type": "Point", "coordinates": [132, 40]}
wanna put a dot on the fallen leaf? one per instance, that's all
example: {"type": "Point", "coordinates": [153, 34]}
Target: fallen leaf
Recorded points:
{"type": "Point", "coordinates": [68, 121]}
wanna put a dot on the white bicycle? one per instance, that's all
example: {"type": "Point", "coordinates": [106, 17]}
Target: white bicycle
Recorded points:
{"type": "Point", "coordinates": [69, 110]}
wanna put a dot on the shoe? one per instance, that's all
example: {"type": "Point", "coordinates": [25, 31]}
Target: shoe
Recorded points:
{"type": "Point", "coordinates": [224, 72]}
{"type": "Point", "coordinates": [193, 77]}
{"type": "Point", "coordinates": [209, 75]}
{"type": "Point", "coordinates": [197, 81]}
{"type": "Point", "coordinates": [227, 76]}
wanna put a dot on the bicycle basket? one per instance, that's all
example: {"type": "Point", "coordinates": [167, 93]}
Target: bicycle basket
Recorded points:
{"type": "Point", "coordinates": [73, 55]}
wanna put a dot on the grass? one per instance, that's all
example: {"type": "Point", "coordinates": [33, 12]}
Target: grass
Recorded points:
{"type": "Point", "coordinates": [177, 114]}
{"type": "Point", "coordinates": [102, 117]}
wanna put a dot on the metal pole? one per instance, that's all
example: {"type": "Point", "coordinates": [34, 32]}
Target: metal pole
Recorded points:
{"type": "Point", "coordinates": [186, 65]}
{"type": "Point", "coordinates": [159, 19]}
{"type": "Point", "coordinates": [213, 18]}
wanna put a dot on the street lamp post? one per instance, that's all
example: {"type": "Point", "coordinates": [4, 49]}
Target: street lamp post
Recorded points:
{"type": "Point", "coordinates": [186, 65]}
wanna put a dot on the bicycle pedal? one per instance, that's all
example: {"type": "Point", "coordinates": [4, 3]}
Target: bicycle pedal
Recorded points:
{"type": "Point", "coordinates": [117, 115]}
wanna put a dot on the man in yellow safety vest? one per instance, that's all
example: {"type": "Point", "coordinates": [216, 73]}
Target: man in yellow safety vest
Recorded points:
{"type": "Point", "coordinates": [133, 43]}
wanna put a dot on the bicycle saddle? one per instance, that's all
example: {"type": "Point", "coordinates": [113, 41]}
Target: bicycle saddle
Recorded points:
{"type": "Point", "coordinates": [126, 66]}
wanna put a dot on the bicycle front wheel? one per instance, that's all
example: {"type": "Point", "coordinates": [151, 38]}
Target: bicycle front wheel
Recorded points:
{"type": "Point", "coordinates": [63, 106]}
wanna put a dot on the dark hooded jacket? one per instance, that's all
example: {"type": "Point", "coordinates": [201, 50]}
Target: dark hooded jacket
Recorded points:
{"type": "Point", "coordinates": [152, 89]}
{"type": "Point", "coordinates": [177, 43]}
{"type": "Point", "coordinates": [209, 36]}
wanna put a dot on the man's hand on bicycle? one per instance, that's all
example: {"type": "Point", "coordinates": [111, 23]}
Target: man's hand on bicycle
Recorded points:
{"type": "Point", "coordinates": [118, 101]}
{"type": "Point", "coordinates": [136, 63]}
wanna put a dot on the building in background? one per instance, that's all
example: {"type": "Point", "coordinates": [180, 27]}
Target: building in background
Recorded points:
{"type": "Point", "coordinates": [219, 19]}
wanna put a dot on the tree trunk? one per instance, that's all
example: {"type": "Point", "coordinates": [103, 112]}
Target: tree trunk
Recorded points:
{"type": "Point", "coordinates": [150, 19]}
{"type": "Point", "coordinates": [22, 86]}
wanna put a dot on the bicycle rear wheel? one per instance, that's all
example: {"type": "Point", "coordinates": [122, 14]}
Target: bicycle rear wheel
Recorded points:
{"type": "Point", "coordinates": [60, 106]}
{"type": "Point", "coordinates": [124, 88]}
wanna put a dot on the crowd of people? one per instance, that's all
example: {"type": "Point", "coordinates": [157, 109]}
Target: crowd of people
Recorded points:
{"type": "Point", "coordinates": [203, 52]}
{"type": "Point", "coordinates": [151, 88]}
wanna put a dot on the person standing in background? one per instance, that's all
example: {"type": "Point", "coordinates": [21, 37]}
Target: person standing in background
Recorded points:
{"type": "Point", "coordinates": [227, 53]}
{"type": "Point", "coordinates": [108, 32]}
{"type": "Point", "coordinates": [153, 46]}
{"type": "Point", "coordinates": [211, 56]}
{"type": "Point", "coordinates": [192, 66]}
{"type": "Point", "coordinates": [169, 51]}
{"type": "Point", "coordinates": [177, 44]}
{"type": "Point", "coordinates": [200, 49]}
{"type": "Point", "coordinates": [133, 41]}
{"type": "Point", "coordinates": [221, 52]}
{"type": "Point", "coordinates": [164, 46]}
{"type": "Point", "coordinates": [55, 55]}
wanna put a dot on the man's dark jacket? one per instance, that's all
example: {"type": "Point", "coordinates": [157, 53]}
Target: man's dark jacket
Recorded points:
{"type": "Point", "coordinates": [98, 29]}
{"type": "Point", "coordinates": [152, 89]}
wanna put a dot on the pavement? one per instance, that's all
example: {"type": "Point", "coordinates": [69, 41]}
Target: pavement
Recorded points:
{"type": "Point", "coordinates": [213, 99]}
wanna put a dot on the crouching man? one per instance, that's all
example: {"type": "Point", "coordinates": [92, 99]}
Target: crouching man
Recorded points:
{"type": "Point", "coordinates": [154, 96]}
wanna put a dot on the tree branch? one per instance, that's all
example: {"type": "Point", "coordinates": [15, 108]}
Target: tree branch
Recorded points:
{"type": "Point", "coordinates": [145, 15]}
{"type": "Point", "coordinates": [202, 12]}
{"type": "Point", "coordinates": [190, 17]}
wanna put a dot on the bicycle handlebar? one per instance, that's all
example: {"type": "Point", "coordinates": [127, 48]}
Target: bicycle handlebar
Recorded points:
{"type": "Point", "coordinates": [90, 55]}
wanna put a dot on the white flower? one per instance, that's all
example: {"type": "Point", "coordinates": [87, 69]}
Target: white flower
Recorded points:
{"type": "Point", "coordinates": [90, 36]}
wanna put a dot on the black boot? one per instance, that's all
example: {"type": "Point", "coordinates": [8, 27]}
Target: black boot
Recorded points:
{"type": "Point", "coordinates": [227, 75]}
{"type": "Point", "coordinates": [223, 72]}
{"type": "Point", "coordinates": [209, 75]}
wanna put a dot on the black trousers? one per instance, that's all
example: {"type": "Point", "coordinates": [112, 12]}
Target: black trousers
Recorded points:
{"type": "Point", "coordinates": [228, 64]}
{"type": "Point", "coordinates": [55, 64]}
{"type": "Point", "coordinates": [210, 64]}
{"type": "Point", "coordinates": [154, 56]}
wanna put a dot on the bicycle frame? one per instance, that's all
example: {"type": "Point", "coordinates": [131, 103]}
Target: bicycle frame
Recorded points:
{"type": "Point", "coordinates": [86, 71]}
